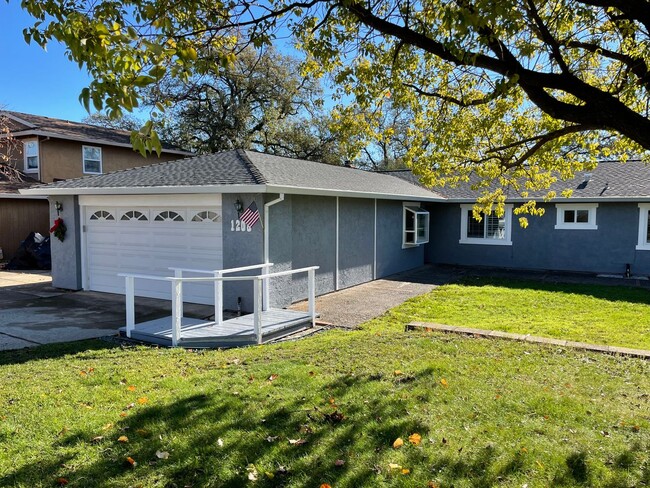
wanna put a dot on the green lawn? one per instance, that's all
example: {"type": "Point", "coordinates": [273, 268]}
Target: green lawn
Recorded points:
{"type": "Point", "coordinates": [326, 409]}
{"type": "Point", "coordinates": [615, 316]}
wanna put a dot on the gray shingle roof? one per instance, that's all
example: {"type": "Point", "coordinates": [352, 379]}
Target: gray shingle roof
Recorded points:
{"type": "Point", "coordinates": [240, 167]}
{"type": "Point", "coordinates": [610, 180]}
{"type": "Point", "coordinates": [75, 130]}
{"type": "Point", "coordinates": [226, 168]}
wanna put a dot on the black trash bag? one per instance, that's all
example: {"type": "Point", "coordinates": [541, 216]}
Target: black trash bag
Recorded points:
{"type": "Point", "coordinates": [33, 253]}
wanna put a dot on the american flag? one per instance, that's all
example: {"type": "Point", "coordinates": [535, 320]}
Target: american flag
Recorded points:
{"type": "Point", "coordinates": [251, 215]}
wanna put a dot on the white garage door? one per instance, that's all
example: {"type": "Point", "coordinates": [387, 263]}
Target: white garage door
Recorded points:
{"type": "Point", "coordinates": [149, 240]}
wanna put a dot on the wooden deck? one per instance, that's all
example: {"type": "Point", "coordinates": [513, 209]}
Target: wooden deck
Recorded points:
{"type": "Point", "coordinates": [234, 332]}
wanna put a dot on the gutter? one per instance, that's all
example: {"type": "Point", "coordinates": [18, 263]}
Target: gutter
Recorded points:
{"type": "Point", "coordinates": [267, 206]}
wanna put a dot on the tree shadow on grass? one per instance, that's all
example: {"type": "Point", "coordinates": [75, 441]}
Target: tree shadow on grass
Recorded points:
{"type": "Point", "coordinates": [190, 428]}
{"type": "Point", "coordinates": [53, 351]}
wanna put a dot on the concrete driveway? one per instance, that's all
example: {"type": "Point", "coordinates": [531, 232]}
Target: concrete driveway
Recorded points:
{"type": "Point", "coordinates": [34, 313]}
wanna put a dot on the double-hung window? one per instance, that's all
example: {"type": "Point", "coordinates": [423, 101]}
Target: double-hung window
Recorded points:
{"type": "Point", "coordinates": [491, 229]}
{"type": "Point", "coordinates": [578, 216]}
{"type": "Point", "coordinates": [30, 149]}
{"type": "Point", "coordinates": [92, 160]}
{"type": "Point", "coordinates": [415, 229]}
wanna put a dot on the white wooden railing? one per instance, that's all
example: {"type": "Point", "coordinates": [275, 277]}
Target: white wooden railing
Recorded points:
{"type": "Point", "coordinates": [260, 302]}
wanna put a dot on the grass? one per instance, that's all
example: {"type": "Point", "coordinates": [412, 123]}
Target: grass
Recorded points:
{"type": "Point", "coordinates": [613, 316]}
{"type": "Point", "coordinates": [488, 412]}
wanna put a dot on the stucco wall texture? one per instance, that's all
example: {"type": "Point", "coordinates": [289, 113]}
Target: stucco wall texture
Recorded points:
{"type": "Point", "coordinates": [540, 246]}
{"type": "Point", "coordinates": [303, 233]}
{"type": "Point", "coordinates": [241, 248]}
{"type": "Point", "coordinates": [66, 254]}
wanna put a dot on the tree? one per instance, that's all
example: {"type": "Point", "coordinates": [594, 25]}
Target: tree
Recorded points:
{"type": "Point", "coordinates": [8, 171]}
{"type": "Point", "coordinates": [125, 122]}
{"type": "Point", "coordinates": [517, 91]}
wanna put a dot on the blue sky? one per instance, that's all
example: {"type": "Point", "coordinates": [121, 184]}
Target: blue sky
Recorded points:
{"type": "Point", "coordinates": [33, 80]}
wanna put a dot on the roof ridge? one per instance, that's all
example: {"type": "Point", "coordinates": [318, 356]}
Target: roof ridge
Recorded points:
{"type": "Point", "coordinates": [74, 122]}
{"type": "Point", "coordinates": [250, 166]}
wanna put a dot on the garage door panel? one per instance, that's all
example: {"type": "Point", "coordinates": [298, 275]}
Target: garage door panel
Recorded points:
{"type": "Point", "coordinates": [151, 247]}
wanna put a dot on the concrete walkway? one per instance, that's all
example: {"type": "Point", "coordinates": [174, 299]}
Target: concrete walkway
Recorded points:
{"type": "Point", "coordinates": [352, 306]}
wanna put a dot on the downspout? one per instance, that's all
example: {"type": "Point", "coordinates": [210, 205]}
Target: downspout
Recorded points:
{"type": "Point", "coordinates": [265, 293]}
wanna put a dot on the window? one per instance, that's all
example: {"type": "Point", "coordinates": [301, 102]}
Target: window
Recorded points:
{"type": "Point", "coordinates": [491, 229]}
{"type": "Point", "coordinates": [644, 227]}
{"type": "Point", "coordinates": [169, 216]}
{"type": "Point", "coordinates": [92, 160]}
{"type": "Point", "coordinates": [206, 216]}
{"type": "Point", "coordinates": [31, 156]}
{"type": "Point", "coordinates": [576, 216]}
{"type": "Point", "coordinates": [415, 225]}
{"type": "Point", "coordinates": [134, 216]}
{"type": "Point", "coordinates": [102, 215]}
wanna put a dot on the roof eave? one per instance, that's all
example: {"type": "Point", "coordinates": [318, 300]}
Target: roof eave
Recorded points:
{"type": "Point", "coordinates": [56, 135]}
{"type": "Point", "coordinates": [147, 190]}
{"type": "Point", "coordinates": [617, 199]}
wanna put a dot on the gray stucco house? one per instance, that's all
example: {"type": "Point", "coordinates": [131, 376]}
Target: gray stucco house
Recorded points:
{"type": "Point", "coordinates": [602, 228]}
{"type": "Point", "coordinates": [356, 226]}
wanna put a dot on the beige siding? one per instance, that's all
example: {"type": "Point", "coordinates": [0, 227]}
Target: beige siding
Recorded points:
{"type": "Point", "coordinates": [19, 217]}
{"type": "Point", "coordinates": [61, 159]}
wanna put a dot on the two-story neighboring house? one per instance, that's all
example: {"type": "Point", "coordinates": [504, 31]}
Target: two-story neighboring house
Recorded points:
{"type": "Point", "coordinates": [48, 150]}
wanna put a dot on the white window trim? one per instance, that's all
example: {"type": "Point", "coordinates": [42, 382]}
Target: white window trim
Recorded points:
{"type": "Point", "coordinates": [38, 156]}
{"type": "Point", "coordinates": [643, 244]}
{"type": "Point", "coordinates": [589, 225]}
{"type": "Point", "coordinates": [425, 214]}
{"type": "Point", "coordinates": [507, 241]}
{"type": "Point", "coordinates": [83, 160]}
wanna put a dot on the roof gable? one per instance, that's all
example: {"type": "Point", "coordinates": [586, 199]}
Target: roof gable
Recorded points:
{"type": "Point", "coordinates": [29, 124]}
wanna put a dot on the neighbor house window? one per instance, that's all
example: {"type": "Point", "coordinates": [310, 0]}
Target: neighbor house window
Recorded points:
{"type": "Point", "coordinates": [576, 216]}
{"type": "Point", "coordinates": [644, 227]}
{"type": "Point", "coordinates": [92, 160]}
{"type": "Point", "coordinates": [491, 229]}
{"type": "Point", "coordinates": [31, 156]}
{"type": "Point", "coordinates": [415, 225]}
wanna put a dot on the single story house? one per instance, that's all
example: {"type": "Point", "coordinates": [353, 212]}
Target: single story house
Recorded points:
{"type": "Point", "coordinates": [200, 213]}
{"type": "Point", "coordinates": [356, 225]}
{"type": "Point", "coordinates": [603, 228]}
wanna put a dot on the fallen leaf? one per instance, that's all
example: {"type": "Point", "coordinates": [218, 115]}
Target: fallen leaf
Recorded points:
{"type": "Point", "coordinates": [334, 418]}
{"type": "Point", "coordinates": [143, 432]}
{"type": "Point", "coordinates": [394, 466]}
{"type": "Point", "coordinates": [523, 449]}
{"type": "Point", "coordinates": [415, 439]}
{"type": "Point", "coordinates": [107, 426]}
{"type": "Point", "coordinates": [123, 414]}
{"type": "Point", "coordinates": [269, 475]}
{"type": "Point", "coordinates": [397, 372]}
{"type": "Point", "coordinates": [61, 481]}
{"type": "Point", "coordinates": [131, 387]}
{"type": "Point", "coordinates": [636, 428]}
{"type": "Point", "coordinates": [122, 438]}
{"type": "Point", "coordinates": [325, 485]}
{"type": "Point", "coordinates": [129, 406]}
{"type": "Point", "coordinates": [332, 401]}
{"type": "Point", "coordinates": [252, 472]}
{"type": "Point", "coordinates": [97, 439]}
{"type": "Point", "coordinates": [406, 471]}
{"type": "Point", "coordinates": [432, 484]}
{"type": "Point", "coordinates": [131, 462]}
{"type": "Point", "coordinates": [444, 383]}
{"type": "Point", "coordinates": [311, 373]}
{"type": "Point", "coordinates": [272, 438]}
{"type": "Point", "coordinates": [398, 443]}
{"type": "Point", "coordinates": [297, 442]}
{"type": "Point", "coordinates": [273, 377]}
{"type": "Point", "coordinates": [220, 442]}
{"type": "Point", "coordinates": [339, 463]}
{"type": "Point", "coordinates": [143, 400]}
{"type": "Point", "coordinates": [162, 454]}
{"type": "Point", "coordinates": [82, 373]}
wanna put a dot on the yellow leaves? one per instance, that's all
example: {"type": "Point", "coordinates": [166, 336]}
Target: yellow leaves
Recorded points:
{"type": "Point", "coordinates": [398, 443]}
{"type": "Point", "coordinates": [123, 439]}
{"type": "Point", "coordinates": [397, 372]}
{"type": "Point", "coordinates": [415, 439]}
{"type": "Point", "coordinates": [405, 471]}
{"type": "Point", "coordinates": [130, 462]}
{"type": "Point", "coordinates": [444, 383]}
{"type": "Point", "coordinates": [143, 400]}
{"type": "Point", "coordinates": [131, 388]}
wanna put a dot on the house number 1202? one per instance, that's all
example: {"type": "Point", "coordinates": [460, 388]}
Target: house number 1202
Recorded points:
{"type": "Point", "coordinates": [239, 226]}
